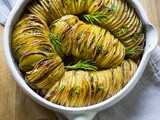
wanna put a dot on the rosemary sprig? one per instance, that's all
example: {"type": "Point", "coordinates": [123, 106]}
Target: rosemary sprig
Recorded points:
{"type": "Point", "coordinates": [100, 88]}
{"type": "Point", "coordinates": [76, 90]}
{"type": "Point", "coordinates": [134, 50]}
{"type": "Point", "coordinates": [96, 17]}
{"type": "Point", "coordinates": [100, 16]}
{"type": "Point", "coordinates": [136, 36]}
{"type": "Point", "coordinates": [61, 89]}
{"type": "Point", "coordinates": [85, 65]}
{"type": "Point", "coordinates": [100, 48]}
{"type": "Point", "coordinates": [114, 9]}
{"type": "Point", "coordinates": [76, 20]}
{"type": "Point", "coordinates": [57, 44]}
{"type": "Point", "coordinates": [123, 29]}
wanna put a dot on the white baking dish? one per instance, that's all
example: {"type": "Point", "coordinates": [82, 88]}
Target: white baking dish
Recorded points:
{"type": "Point", "coordinates": [83, 113]}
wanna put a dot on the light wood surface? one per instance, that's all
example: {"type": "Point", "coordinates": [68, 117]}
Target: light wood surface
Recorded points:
{"type": "Point", "coordinates": [16, 105]}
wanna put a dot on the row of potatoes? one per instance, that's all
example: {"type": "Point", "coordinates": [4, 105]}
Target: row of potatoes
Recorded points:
{"type": "Point", "coordinates": [44, 68]}
{"type": "Point", "coordinates": [116, 16]}
{"type": "Point", "coordinates": [84, 88]}
{"type": "Point", "coordinates": [88, 42]}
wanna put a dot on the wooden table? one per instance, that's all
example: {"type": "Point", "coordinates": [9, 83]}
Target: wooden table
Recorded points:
{"type": "Point", "coordinates": [16, 105]}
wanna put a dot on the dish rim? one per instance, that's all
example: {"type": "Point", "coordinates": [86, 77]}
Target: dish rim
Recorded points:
{"type": "Point", "coordinates": [102, 105]}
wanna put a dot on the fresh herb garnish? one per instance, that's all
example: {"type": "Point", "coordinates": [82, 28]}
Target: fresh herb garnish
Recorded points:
{"type": "Point", "coordinates": [100, 16]}
{"type": "Point", "coordinates": [85, 65]}
{"type": "Point", "coordinates": [135, 36]}
{"type": "Point", "coordinates": [99, 49]}
{"type": "Point", "coordinates": [57, 44]}
{"type": "Point", "coordinates": [76, 20]}
{"type": "Point", "coordinates": [63, 36]}
{"type": "Point", "coordinates": [93, 39]}
{"type": "Point", "coordinates": [123, 29]}
{"type": "Point", "coordinates": [134, 50]}
{"type": "Point", "coordinates": [100, 88]}
{"type": "Point", "coordinates": [61, 89]}
{"type": "Point", "coordinates": [85, 1]}
{"type": "Point", "coordinates": [76, 90]}
{"type": "Point", "coordinates": [96, 17]}
{"type": "Point", "coordinates": [114, 9]}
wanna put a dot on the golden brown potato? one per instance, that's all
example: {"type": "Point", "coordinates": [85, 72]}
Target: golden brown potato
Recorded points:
{"type": "Point", "coordinates": [78, 52]}
{"type": "Point", "coordinates": [83, 88]}
{"type": "Point", "coordinates": [118, 17]}
{"type": "Point", "coordinates": [88, 42]}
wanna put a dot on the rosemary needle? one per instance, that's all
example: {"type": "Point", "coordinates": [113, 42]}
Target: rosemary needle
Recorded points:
{"type": "Point", "coordinates": [61, 89]}
{"type": "Point", "coordinates": [85, 65]}
{"type": "Point", "coordinates": [123, 29]}
{"type": "Point", "coordinates": [136, 36]}
{"type": "Point", "coordinates": [57, 44]}
{"type": "Point", "coordinates": [114, 9]}
{"type": "Point", "coordinates": [134, 50]}
{"type": "Point", "coordinates": [98, 17]}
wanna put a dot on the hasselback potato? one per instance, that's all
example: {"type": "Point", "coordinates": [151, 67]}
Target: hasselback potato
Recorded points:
{"type": "Point", "coordinates": [51, 10]}
{"type": "Point", "coordinates": [30, 42]}
{"type": "Point", "coordinates": [46, 72]}
{"type": "Point", "coordinates": [118, 17]}
{"type": "Point", "coordinates": [34, 52]}
{"type": "Point", "coordinates": [88, 42]}
{"type": "Point", "coordinates": [83, 88]}
{"type": "Point", "coordinates": [78, 52]}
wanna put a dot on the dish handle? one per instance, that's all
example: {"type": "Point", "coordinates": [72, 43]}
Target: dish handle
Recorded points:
{"type": "Point", "coordinates": [151, 37]}
{"type": "Point", "coordinates": [80, 116]}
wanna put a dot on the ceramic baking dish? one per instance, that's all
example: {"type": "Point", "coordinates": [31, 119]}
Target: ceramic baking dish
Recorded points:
{"type": "Point", "coordinates": [83, 113]}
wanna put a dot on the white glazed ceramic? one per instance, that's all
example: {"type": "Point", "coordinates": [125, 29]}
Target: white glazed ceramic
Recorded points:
{"type": "Point", "coordinates": [83, 113]}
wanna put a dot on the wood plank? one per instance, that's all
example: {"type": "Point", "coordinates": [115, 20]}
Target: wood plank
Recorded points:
{"type": "Point", "coordinates": [16, 105]}
{"type": "Point", "coordinates": [153, 10]}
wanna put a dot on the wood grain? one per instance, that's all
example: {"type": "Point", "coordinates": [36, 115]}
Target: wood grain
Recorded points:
{"type": "Point", "coordinates": [16, 105]}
